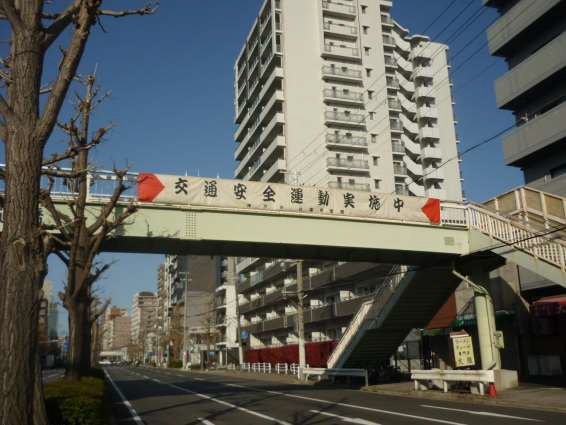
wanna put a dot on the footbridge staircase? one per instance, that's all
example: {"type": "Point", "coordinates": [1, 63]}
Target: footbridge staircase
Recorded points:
{"type": "Point", "coordinates": [524, 226]}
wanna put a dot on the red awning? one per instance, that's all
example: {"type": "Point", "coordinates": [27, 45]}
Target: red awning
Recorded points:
{"type": "Point", "coordinates": [549, 306]}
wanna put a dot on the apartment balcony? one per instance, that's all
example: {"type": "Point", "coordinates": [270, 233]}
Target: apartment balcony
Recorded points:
{"type": "Point", "coordinates": [418, 52]}
{"type": "Point", "coordinates": [343, 97]}
{"type": "Point", "coordinates": [408, 105]}
{"type": "Point", "coordinates": [397, 147]}
{"type": "Point", "coordinates": [340, 52]}
{"type": "Point", "coordinates": [404, 64]}
{"type": "Point", "coordinates": [422, 92]}
{"type": "Point", "coordinates": [432, 173]}
{"type": "Point", "coordinates": [245, 264]}
{"type": "Point", "coordinates": [279, 167]}
{"type": "Point", "coordinates": [331, 8]}
{"type": "Point", "coordinates": [414, 168]}
{"type": "Point", "coordinates": [394, 104]}
{"type": "Point", "coordinates": [388, 41]}
{"type": "Point", "coordinates": [343, 164]}
{"type": "Point", "coordinates": [362, 187]}
{"type": "Point", "coordinates": [402, 191]}
{"type": "Point", "coordinates": [267, 42]}
{"type": "Point", "coordinates": [277, 74]}
{"type": "Point", "coordinates": [436, 193]}
{"type": "Point", "coordinates": [265, 157]}
{"type": "Point", "coordinates": [277, 97]}
{"type": "Point", "coordinates": [408, 125]}
{"type": "Point", "coordinates": [536, 134]}
{"type": "Point", "coordinates": [401, 42]}
{"type": "Point", "coordinates": [405, 84]}
{"type": "Point", "coordinates": [338, 73]}
{"type": "Point", "coordinates": [345, 119]}
{"type": "Point", "coordinates": [517, 85]}
{"type": "Point", "coordinates": [423, 72]}
{"type": "Point", "coordinates": [504, 33]}
{"type": "Point", "coordinates": [416, 189]}
{"type": "Point", "coordinates": [399, 169]}
{"type": "Point", "coordinates": [340, 30]}
{"type": "Point", "coordinates": [429, 152]}
{"type": "Point", "coordinates": [343, 142]}
{"type": "Point", "coordinates": [427, 112]}
{"type": "Point", "coordinates": [430, 133]}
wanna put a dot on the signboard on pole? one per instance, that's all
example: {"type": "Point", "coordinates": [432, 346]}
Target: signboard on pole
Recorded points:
{"type": "Point", "coordinates": [462, 349]}
{"type": "Point", "coordinates": [199, 191]}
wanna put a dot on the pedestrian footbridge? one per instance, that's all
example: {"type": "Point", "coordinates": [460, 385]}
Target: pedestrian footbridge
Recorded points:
{"type": "Point", "coordinates": [431, 238]}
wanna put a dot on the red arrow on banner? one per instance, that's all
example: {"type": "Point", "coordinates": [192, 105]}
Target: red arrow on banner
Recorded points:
{"type": "Point", "coordinates": [149, 186]}
{"type": "Point", "coordinates": [432, 210]}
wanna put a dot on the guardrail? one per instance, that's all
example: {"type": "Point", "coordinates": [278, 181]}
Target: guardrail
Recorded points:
{"type": "Point", "coordinates": [445, 377]}
{"type": "Point", "coordinates": [321, 373]}
{"type": "Point", "coordinates": [279, 368]}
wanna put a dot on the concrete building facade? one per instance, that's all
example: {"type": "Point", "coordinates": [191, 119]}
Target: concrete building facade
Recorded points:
{"type": "Point", "coordinates": [116, 329]}
{"type": "Point", "coordinates": [337, 94]}
{"type": "Point", "coordinates": [142, 316]}
{"type": "Point", "coordinates": [531, 36]}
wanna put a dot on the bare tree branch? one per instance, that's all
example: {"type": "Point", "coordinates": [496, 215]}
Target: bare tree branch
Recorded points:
{"type": "Point", "coordinates": [61, 22]}
{"type": "Point", "coordinates": [73, 150]}
{"type": "Point", "coordinates": [8, 9]}
{"type": "Point", "coordinates": [147, 10]}
{"type": "Point", "coordinates": [6, 111]}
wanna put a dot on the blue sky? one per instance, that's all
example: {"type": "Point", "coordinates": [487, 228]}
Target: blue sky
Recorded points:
{"type": "Point", "coordinates": [171, 77]}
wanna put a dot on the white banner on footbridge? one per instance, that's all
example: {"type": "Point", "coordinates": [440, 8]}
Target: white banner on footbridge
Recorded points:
{"type": "Point", "coordinates": [202, 191]}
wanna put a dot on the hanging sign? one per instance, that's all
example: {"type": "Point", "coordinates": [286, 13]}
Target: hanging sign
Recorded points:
{"type": "Point", "coordinates": [199, 191]}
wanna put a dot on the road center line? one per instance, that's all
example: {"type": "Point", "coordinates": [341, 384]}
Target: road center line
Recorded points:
{"type": "Point", "coordinates": [205, 422]}
{"type": "Point", "coordinates": [234, 406]}
{"type": "Point", "coordinates": [474, 412]}
{"type": "Point", "coordinates": [125, 401]}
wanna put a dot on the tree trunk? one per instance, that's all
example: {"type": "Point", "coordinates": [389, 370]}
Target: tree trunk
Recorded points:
{"type": "Point", "coordinates": [79, 339]}
{"type": "Point", "coordinates": [22, 260]}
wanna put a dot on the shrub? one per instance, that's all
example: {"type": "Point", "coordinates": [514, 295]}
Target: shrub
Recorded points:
{"type": "Point", "coordinates": [76, 403]}
{"type": "Point", "coordinates": [177, 364]}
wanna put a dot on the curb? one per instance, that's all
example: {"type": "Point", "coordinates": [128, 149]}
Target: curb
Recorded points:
{"type": "Point", "coordinates": [464, 398]}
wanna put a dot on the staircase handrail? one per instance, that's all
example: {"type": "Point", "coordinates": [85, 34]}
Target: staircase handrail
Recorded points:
{"type": "Point", "coordinates": [367, 309]}
{"type": "Point", "coordinates": [517, 235]}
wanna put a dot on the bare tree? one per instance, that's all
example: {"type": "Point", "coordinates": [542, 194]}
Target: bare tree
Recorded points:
{"type": "Point", "coordinates": [97, 312]}
{"type": "Point", "coordinates": [26, 122]}
{"type": "Point", "coordinates": [80, 231]}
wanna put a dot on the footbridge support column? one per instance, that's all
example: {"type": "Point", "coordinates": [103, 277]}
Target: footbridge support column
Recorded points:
{"type": "Point", "coordinates": [488, 337]}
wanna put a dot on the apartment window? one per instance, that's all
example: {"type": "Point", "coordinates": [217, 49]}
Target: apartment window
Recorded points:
{"type": "Point", "coordinates": [365, 29]}
{"type": "Point", "coordinates": [350, 157]}
{"type": "Point", "coordinates": [367, 50]}
{"type": "Point", "coordinates": [375, 160]}
{"type": "Point", "coordinates": [376, 183]}
{"type": "Point", "coordinates": [368, 72]}
{"type": "Point", "coordinates": [364, 9]}
{"type": "Point", "coordinates": [339, 179]}
{"type": "Point", "coordinates": [370, 94]}
{"type": "Point", "coordinates": [373, 138]}
{"type": "Point", "coordinates": [371, 115]}
{"type": "Point", "coordinates": [352, 181]}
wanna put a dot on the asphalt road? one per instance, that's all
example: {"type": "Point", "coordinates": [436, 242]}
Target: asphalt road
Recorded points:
{"type": "Point", "coordinates": [159, 397]}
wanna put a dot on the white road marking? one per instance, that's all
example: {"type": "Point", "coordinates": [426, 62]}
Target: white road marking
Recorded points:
{"type": "Point", "coordinates": [475, 412]}
{"type": "Point", "coordinates": [156, 380]}
{"type": "Point", "coordinates": [370, 409]}
{"type": "Point", "coordinates": [125, 401]}
{"type": "Point", "coordinates": [235, 385]}
{"type": "Point", "coordinates": [346, 419]}
{"type": "Point", "coordinates": [200, 379]}
{"type": "Point", "coordinates": [205, 422]}
{"type": "Point", "coordinates": [225, 403]}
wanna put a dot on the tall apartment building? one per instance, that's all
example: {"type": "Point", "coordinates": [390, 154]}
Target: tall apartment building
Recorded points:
{"type": "Point", "coordinates": [210, 310]}
{"type": "Point", "coordinates": [530, 35]}
{"type": "Point", "coordinates": [336, 93]}
{"type": "Point", "coordinates": [143, 316]}
{"type": "Point", "coordinates": [117, 330]}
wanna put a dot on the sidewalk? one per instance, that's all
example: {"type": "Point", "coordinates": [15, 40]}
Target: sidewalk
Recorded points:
{"type": "Point", "coordinates": [529, 396]}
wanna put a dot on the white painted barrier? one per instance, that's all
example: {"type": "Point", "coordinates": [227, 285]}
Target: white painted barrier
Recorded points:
{"type": "Point", "coordinates": [324, 373]}
{"type": "Point", "coordinates": [481, 377]}
{"type": "Point", "coordinates": [281, 368]}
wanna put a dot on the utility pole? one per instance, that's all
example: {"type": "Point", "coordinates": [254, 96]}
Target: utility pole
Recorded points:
{"type": "Point", "coordinates": [238, 329]}
{"type": "Point", "coordinates": [301, 319]}
{"type": "Point", "coordinates": [185, 314]}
